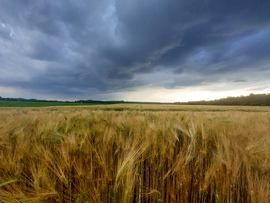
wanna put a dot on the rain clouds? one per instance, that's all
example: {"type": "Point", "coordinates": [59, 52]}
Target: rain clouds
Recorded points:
{"type": "Point", "coordinates": [87, 49]}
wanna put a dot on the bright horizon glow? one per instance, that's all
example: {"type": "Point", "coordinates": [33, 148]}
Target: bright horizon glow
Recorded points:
{"type": "Point", "coordinates": [182, 95]}
{"type": "Point", "coordinates": [148, 95]}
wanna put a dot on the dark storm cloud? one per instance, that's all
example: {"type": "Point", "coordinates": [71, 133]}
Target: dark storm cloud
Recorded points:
{"type": "Point", "coordinates": [46, 51]}
{"type": "Point", "coordinates": [105, 45]}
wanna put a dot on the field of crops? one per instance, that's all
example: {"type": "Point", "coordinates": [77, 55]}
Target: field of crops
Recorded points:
{"type": "Point", "coordinates": [4, 103]}
{"type": "Point", "coordinates": [135, 153]}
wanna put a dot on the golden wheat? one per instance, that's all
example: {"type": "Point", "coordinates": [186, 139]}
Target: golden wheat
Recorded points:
{"type": "Point", "coordinates": [106, 155]}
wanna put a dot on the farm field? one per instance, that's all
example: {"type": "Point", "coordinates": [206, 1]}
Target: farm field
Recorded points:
{"type": "Point", "coordinates": [4, 103]}
{"type": "Point", "coordinates": [135, 153]}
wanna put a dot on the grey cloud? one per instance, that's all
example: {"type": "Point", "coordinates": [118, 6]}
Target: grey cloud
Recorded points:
{"type": "Point", "coordinates": [240, 81]}
{"type": "Point", "coordinates": [104, 45]}
{"type": "Point", "coordinates": [201, 26]}
{"type": "Point", "coordinates": [47, 51]}
{"type": "Point", "coordinates": [5, 32]}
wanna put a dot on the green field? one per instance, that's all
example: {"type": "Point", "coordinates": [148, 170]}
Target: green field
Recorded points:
{"type": "Point", "coordinates": [4, 103]}
{"type": "Point", "coordinates": [135, 153]}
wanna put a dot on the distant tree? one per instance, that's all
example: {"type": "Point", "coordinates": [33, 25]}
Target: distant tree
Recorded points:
{"type": "Point", "coordinates": [251, 100]}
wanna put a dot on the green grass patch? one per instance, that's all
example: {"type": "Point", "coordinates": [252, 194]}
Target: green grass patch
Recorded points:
{"type": "Point", "coordinates": [39, 104]}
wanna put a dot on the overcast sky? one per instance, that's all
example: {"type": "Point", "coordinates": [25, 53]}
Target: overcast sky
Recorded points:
{"type": "Point", "coordinates": [140, 50]}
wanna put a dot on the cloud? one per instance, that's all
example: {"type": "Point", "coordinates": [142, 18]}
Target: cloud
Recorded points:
{"type": "Point", "coordinates": [5, 32]}
{"type": "Point", "coordinates": [96, 47]}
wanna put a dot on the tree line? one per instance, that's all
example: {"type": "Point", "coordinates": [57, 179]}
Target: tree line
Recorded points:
{"type": "Point", "coordinates": [250, 100]}
{"type": "Point", "coordinates": [56, 101]}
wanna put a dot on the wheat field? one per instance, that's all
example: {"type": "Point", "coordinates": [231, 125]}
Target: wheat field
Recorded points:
{"type": "Point", "coordinates": [135, 153]}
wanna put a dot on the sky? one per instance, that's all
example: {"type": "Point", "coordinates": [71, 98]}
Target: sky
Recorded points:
{"type": "Point", "coordinates": [134, 50]}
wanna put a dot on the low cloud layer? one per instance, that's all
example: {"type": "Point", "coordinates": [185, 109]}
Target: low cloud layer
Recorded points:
{"type": "Point", "coordinates": [87, 49]}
